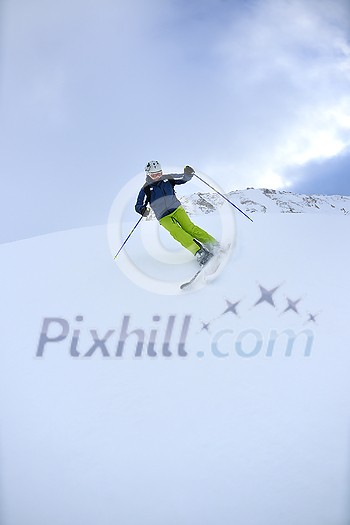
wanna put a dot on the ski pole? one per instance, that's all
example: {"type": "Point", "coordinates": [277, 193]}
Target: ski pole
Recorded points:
{"type": "Point", "coordinates": [223, 196]}
{"type": "Point", "coordinates": [132, 231]}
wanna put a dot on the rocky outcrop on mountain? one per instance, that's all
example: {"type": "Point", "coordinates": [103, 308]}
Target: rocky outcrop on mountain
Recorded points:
{"type": "Point", "coordinates": [268, 201]}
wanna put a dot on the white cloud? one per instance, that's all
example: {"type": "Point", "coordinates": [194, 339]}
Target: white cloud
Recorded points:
{"type": "Point", "coordinates": [286, 75]}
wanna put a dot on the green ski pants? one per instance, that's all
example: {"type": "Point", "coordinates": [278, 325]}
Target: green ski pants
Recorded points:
{"type": "Point", "coordinates": [180, 226]}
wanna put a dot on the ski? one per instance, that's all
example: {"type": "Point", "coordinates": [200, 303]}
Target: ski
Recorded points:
{"type": "Point", "coordinates": [188, 283]}
{"type": "Point", "coordinates": [209, 269]}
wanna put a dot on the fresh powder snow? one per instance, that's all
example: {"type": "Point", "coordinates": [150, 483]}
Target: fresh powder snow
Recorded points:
{"type": "Point", "coordinates": [125, 400]}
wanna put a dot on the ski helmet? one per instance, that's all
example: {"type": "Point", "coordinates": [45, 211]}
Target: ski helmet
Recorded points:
{"type": "Point", "coordinates": [153, 166]}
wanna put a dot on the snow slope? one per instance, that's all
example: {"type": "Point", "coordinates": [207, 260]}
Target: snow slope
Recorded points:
{"type": "Point", "coordinates": [230, 404]}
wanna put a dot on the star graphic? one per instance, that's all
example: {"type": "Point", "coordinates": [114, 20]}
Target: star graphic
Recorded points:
{"type": "Point", "coordinates": [312, 318]}
{"type": "Point", "coordinates": [205, 326]}
{"type": "Point", "coordinates": [266, 296]}
{"type": "Point", "coordinates": [231, 307]}
{"type": "Point", "coordinates": [292, 305]}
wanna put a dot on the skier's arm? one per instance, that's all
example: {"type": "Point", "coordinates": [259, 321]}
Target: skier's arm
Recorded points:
{"type": "Point", "coordinates": [181, 178]}
{"type": "Point", "coordinates": [141, 202]}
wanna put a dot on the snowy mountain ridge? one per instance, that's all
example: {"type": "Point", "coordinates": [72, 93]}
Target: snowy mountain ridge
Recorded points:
{"type": "Point", "coordinates": [265, 200]}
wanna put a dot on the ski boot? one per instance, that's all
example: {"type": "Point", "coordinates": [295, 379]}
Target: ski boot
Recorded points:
{"type": "Point", "coordinates": [203, 256]}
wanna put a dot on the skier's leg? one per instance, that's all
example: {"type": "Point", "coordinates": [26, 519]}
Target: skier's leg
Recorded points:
{"type": "Point", "coordinates": [192, 229]}
{"type": "Point", "coordinates": [169, 223]}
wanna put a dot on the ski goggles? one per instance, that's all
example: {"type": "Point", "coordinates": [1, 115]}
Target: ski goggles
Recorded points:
{"type": "Point", "coordinates": [156, 175]}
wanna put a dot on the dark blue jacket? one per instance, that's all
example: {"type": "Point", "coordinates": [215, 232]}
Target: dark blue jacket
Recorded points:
{"type": "Point", "coordinates": [160, 194]}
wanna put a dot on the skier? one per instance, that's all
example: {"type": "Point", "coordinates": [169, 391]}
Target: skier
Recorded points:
{"type": "Point", "coordinates": [159, 192]}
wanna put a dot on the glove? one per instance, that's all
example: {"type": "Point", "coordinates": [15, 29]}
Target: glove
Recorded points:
{"type": "Point", "coordinates": [188, 170]}
{"type": "Point", "coordinates": [144, 211]}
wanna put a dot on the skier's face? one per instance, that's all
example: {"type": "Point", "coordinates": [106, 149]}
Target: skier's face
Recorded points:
{"type": "Point", "coordinates": [157, 175]}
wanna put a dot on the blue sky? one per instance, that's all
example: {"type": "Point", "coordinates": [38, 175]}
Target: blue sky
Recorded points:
{"type": "Point", "coordinates": [253, 93]}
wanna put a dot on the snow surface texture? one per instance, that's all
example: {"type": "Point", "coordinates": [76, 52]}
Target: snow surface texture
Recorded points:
{"type": "Point", "coordinates": [236, 409]}
{"type": "Point", "coordinates": [272, 201]}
